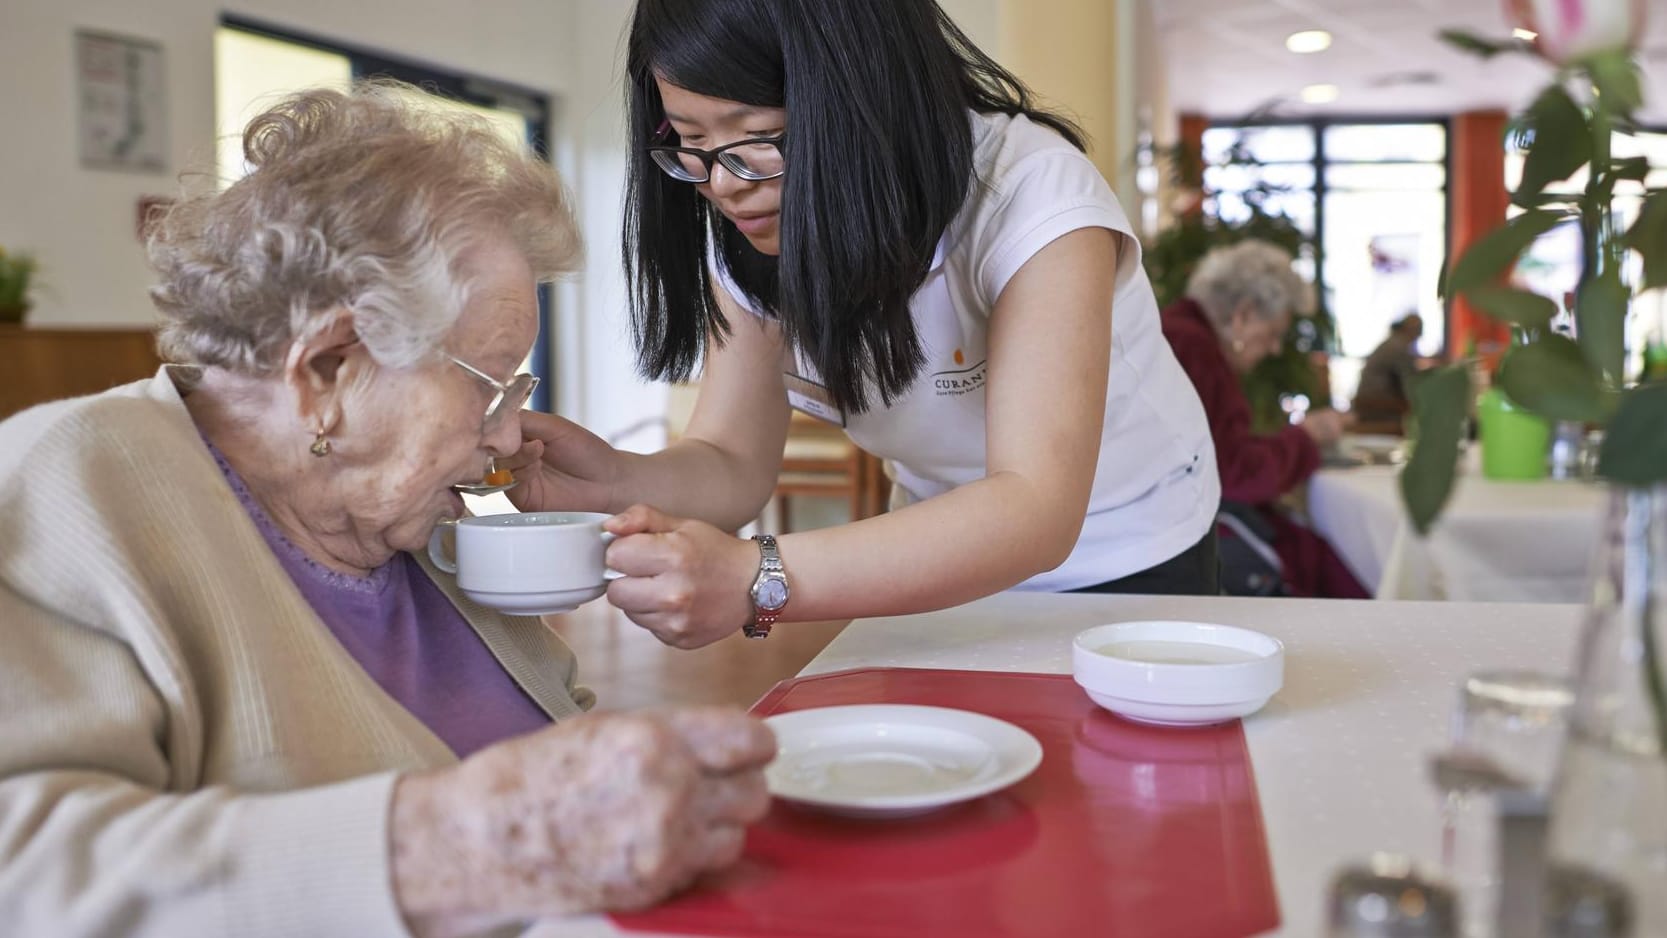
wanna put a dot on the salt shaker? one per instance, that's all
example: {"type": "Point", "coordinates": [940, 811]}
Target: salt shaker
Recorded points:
{"type": "Point", "coordinates": [1387, 898]}
{"type": "Point", "coordinates": [1582, 904]}
{"type": "Point", "coordinates": [1568, 450]}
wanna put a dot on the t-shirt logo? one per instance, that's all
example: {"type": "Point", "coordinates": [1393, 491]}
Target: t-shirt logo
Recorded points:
{"type": "Point", "coordinates": [960, 379]}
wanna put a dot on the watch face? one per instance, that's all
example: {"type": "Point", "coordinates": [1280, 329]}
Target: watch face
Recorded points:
{"type": "Point", "coordinates": [771, 594]}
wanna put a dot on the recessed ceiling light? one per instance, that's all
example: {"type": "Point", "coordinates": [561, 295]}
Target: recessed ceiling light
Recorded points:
{"type": "Point", "coordinates": [1307, 41]}
{"type": "Point", "coordinates": [1526, 35]}
{"type": "Point", "coordinates": [1320, 94]}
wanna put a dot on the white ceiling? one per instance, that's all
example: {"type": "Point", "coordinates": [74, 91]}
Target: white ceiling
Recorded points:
{"type": "Point", "coordinates": [1227, 58]}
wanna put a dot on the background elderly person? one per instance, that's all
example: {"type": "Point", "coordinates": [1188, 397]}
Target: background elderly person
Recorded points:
{"type": "Point", "coordinates": [1382, 398]}
{"type": "Point", "coordinates": [233, 694]}
{"type": "Point", "coordinates": [1238, 307]}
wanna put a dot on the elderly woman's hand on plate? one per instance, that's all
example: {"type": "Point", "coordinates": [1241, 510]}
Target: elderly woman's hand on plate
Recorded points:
{"type": "Point", "coordinates": [1325, 426]}
{"type": "Point", "coordinates": [608, 811]}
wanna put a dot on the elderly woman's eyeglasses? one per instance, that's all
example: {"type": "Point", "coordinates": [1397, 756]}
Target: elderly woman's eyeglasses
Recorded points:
{"type": "Point", "coordinates": [756, 159]}
{"type": "Point", "coordinates": [508, 399]}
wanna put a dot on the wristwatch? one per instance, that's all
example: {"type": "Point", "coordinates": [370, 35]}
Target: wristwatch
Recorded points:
{"type": "Point", "coordinates": [769, 588]}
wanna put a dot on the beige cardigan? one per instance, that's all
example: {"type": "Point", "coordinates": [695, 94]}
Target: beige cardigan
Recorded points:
{"type": "Point", "coordinates": [185, 749]}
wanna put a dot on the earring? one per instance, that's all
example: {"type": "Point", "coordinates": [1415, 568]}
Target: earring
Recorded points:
{"type": "Point", "coordinates": [1238, 346]}
{"type": "Point", "coordinates": [321, 444]}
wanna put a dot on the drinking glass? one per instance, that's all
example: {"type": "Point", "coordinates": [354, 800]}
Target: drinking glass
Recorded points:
{"type": "Point", "coordinates": [1507, 732]}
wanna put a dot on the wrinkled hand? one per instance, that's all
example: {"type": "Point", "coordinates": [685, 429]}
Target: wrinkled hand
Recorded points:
{"type": "Point", "coordinates": [561, 466]}
{"type": "Point", "coordinates": [1325, 426]}
{"type": "Point", "coordinates": [603, 812]}
{"type": "Point", "coordinates": [685, 581]}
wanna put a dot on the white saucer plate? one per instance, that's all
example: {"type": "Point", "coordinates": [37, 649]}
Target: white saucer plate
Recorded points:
{"type": "Point", "coordinates": [1178, 673]}
{"type": "Point", "coordinates": [536, 604]}
{"type": "Point", "coordinates": [894, 760]}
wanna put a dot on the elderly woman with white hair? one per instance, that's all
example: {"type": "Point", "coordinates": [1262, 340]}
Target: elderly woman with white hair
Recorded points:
{"type": "Point", "coordinates": [1239, 304]}
{"type": "Point", "coordinates": [235, 698]}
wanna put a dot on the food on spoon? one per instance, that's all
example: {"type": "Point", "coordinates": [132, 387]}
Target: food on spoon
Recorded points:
{"type": "Point", "coordinates": [500, 477]}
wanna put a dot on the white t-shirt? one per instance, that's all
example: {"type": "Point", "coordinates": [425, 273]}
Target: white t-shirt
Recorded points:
{"type": "Point", "coordinates": [1155, 488]}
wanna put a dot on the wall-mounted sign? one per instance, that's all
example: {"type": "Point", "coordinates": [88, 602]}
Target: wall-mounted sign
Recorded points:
{"type": "Point", "coordinates": [122, 102]}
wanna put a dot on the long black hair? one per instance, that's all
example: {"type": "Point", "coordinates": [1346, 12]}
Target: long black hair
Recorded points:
{"type": "Point", "coordinates": [879, 156]}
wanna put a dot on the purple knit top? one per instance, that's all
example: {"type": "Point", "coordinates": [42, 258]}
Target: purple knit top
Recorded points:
{"type": "Point", "coordinates": [409, 638]}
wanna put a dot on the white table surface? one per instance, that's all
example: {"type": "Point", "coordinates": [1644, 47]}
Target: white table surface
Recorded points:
{"type": "Point", "coordinates": [1496, 541]}
{"type": "Point", "coordinates": [1339, 754]}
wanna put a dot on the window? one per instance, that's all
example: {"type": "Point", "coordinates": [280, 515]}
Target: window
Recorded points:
{"type": "Point", "coordinates": [253, 64]}
{"type": "Point", "coordinates": [1373, 195]}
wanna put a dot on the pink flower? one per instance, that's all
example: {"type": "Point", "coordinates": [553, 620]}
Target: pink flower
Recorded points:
{"type": "Point", "coordinates": [1574, 29]}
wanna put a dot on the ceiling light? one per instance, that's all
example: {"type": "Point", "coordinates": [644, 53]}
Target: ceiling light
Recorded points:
{"type": "Point", "coordinates": [1526, 35]}
{"type": "Point", "coordinates": [1307, 41]}
{"type": "Point", "coordinates": [1320, 94]}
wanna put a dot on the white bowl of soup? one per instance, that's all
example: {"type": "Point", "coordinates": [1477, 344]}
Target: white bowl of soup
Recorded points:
{"type": "Point", "coordinates": [1170, 673]}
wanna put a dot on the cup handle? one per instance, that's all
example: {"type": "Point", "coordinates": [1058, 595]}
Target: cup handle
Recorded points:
{"type": "Point", "coordinates": [437, 548]}
{"type": "Point", "coordinates": [609, 574]}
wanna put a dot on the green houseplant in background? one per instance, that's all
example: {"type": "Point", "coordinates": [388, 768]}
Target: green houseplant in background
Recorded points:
{"type": "Point", "coordinates": [17, 272]}
{"type": "Point", "coordinates": [1609, 810]}
{"type": "Point", "coordinates": [1172, 256]}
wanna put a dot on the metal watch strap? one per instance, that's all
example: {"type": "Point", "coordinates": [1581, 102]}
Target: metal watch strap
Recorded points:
{"type": "Point", "coordinates": [769, 563]}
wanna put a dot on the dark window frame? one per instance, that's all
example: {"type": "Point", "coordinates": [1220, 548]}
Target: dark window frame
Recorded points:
{"type": "Point", "coordinates": [1320, 162]}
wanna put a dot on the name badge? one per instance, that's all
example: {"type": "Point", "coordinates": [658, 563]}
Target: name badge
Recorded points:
{"type": "Point", "coordinates": [811, 398]}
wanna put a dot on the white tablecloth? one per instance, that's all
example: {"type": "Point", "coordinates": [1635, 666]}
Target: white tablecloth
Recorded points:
{"type": "Point", "coordinates": [1496, 542]}
{"type": "Point", "coordinates": [1339, 754]}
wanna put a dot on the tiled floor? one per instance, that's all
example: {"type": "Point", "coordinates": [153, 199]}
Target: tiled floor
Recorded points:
{"type": "Point", "coordinates": [628, 668]}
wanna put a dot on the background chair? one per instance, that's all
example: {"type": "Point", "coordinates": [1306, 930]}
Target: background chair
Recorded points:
{"type": "Point", "coordinates": [820, 461]}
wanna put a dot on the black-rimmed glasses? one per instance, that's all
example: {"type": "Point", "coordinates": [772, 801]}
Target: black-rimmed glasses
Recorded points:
{"type": "Point", "coordinates": [756, 159]}
{"type": "Point", "coordinates": [509, 398]}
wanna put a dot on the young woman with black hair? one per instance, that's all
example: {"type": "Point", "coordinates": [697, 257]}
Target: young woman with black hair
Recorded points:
{"type": "Point", "coordinates": [849, 209]}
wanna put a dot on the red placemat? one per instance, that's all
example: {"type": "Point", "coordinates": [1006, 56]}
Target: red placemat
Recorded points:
{"type": "Point", "coordinates": [1123, 830]}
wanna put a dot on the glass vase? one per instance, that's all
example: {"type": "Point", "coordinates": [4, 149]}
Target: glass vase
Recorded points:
{"type": "Point", "coordinates": [1609, 809]}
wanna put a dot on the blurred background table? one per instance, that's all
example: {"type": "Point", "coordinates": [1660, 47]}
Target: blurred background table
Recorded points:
{"type": "Point", "coordinates": [1496, 542]}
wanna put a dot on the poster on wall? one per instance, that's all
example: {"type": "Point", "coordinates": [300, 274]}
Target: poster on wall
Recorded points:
{"type": "Point", "coordinates": [122, 102]}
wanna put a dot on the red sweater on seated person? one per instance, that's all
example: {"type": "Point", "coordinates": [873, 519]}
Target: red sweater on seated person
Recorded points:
{"type": "Point", "coordinates": [1255, 468]}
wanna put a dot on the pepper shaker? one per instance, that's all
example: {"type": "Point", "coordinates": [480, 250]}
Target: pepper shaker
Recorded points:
{"type": "Point", "coordinates": [1386, 897]}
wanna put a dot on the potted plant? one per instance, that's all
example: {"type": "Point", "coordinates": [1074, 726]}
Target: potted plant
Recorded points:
{"type": "Point", "coordinates": [16, 272]}
{"type": "Point", "coordinates": [1609, 811]}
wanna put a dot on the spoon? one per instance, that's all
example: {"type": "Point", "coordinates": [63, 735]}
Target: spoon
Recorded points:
{"type": "Point", "coordinates": [484, 487]}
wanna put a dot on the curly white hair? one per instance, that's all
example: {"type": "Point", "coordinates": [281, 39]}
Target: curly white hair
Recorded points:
{"type": "Point", "coordinates": [363, 200]}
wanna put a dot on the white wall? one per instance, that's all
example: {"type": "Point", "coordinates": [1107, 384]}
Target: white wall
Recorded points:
{"type": "Point", "coordinates": [979, 19]}
{"type": "Point", "coordinates": [81, 222]}
{"type": "Point", "coordinates": [610, 399]}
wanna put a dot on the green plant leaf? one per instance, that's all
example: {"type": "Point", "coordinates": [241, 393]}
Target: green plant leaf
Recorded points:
{"type": "Point", "coordinates": [1600, 312]}
{"type": "Point", "coordinates": [1562, 142]}
{"type": "Point", "coordinates": [1439, 401]}
{"type": "Point", "coordinates": [1648, 236]}
{"type": "Point", "coordinates": [1492, 256]}
{"type": "Point", "coordinates": [1550, 377]}
{"type": "Point", "coordinates": [1615, 76]}
{"type": "Point", "coordinates": [1635, 168]}
{"type": "Point", "coordinates": [1511, 305]}
{"type": "Point", "coordinates": [1635, 444]}
{"type": "Point", "coordinates": [1567, 201]}
{"type": "Point", "coordinates": [1476, 45]}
